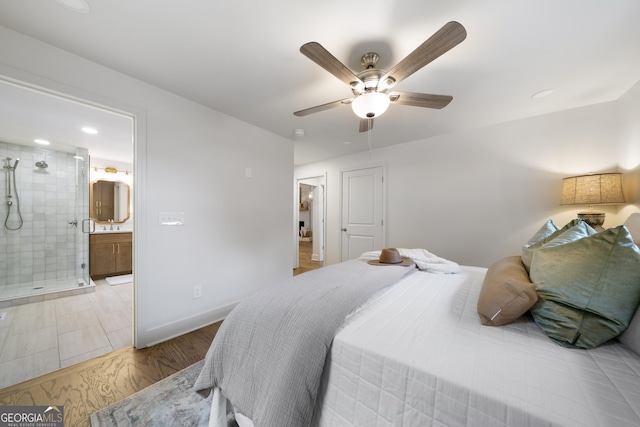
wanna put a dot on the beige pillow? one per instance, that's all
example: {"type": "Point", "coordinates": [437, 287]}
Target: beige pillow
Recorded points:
{"type": "Point", "coordinates": [506, 294]}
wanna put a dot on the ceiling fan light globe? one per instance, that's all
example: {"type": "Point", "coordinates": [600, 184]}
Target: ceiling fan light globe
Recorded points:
{"type": "Point", "coordinates": [370, 105]}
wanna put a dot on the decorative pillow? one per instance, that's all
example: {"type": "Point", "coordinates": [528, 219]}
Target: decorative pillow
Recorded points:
{"type": "Point", "coordinates": [545, 235]}
{"type": "Point", "coordinates": [506, 294]}
{"type": "Point", "coordinates": [588, 289]}
{"type": "Point", "coordinates": [633, 225]}
{"type": "Point", "coordinates": [547, 229]}
{"type": "Point", "coordinates": [631, 336]}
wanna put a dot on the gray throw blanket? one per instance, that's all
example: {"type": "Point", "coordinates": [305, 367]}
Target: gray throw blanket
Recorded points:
{"type": "Point", "coordinates": [268, 356]}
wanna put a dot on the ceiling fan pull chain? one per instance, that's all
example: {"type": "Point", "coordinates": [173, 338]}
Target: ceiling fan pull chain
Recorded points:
{"type": "Point", "coordinates": [369, 137]}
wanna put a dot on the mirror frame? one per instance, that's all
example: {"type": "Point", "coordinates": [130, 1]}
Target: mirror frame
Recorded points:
{"type": "Point", "coordinates": [92, 214]}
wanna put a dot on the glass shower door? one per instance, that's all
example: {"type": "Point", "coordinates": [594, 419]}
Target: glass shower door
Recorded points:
{"type": "Point", "coordinates": [82, 214]}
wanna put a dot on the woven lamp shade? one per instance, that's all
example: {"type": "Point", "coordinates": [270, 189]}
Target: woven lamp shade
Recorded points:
{"type": "Point", "coordinates": [592, 189]}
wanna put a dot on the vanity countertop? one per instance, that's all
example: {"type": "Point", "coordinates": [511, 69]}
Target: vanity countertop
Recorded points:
{"type": "Point", "coordinates": [99, 230]}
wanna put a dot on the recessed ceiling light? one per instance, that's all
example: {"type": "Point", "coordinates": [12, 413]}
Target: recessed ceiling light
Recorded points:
{"type": "Point", "coordinates": [80, 6]}
{"type": "Point", "coordinates": [41, 141]}
{"type": "Point", "coordinates": [89, 130]}
{"type": "Point", "coordinates": [347, 142]}
{"type": "Point", "coordinates": [542, 93]}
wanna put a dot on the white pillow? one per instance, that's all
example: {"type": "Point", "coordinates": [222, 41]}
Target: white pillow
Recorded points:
{"type": "Point", "coordinates": [633, 224]}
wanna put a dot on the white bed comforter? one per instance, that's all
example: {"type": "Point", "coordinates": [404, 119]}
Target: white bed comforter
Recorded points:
{"type": "Point", "coordinates": [419, 356]}
{"type": "Point", "coordinates": [268, 356]}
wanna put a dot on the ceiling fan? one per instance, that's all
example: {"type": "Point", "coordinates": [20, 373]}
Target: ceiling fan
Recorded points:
{"type": "Point", "coordinates": [371, 87]}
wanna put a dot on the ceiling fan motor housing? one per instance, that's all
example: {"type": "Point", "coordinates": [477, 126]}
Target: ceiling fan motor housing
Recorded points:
{"type": "Point", "coordinates": [368, 81]}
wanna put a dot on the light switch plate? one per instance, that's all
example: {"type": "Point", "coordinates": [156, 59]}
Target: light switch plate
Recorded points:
{"type": "Point", "coordinates": [171, 218]}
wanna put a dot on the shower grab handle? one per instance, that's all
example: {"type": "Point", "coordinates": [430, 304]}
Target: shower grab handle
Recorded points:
{"type": "Point", "coordinates": [88, 225]}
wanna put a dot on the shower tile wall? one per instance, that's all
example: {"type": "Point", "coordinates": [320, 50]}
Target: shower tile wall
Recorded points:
{"type": "Point", "coordinates": [44, 248]}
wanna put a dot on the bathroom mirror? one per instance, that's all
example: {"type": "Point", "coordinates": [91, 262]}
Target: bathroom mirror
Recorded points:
{"type": "Point", "coordinates": [109, 201]}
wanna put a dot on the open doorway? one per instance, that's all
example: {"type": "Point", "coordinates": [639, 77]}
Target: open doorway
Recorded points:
{"type": "Point", "coordinates": [47, 292]}
{"type": "Point", "coordinates": [310, 224]}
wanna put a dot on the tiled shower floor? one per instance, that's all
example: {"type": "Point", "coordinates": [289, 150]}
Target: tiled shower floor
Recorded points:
{"type": "Point", "coordinates": [44, 336]}
{"type": "Point", "coordinates": [41, 290]}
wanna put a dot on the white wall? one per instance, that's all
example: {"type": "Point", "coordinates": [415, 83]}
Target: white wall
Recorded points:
{"type": "Point", "coordinates": [188, 158]}
{"type": "Point", "coordinates": [476, 196]}
{"type": "Point", "coordinates": [628, 109]}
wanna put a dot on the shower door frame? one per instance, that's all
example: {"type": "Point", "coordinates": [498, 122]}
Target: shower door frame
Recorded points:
{"type": "Point", "coordinates": [83, 222]}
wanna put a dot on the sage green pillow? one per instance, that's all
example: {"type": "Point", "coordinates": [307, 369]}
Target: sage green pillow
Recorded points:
{"type": "Point", "coordinates": [547, 229]}
{"type": "Point", "coordinates": [588, 289]}
{"type": "Point", "coordinates": [579, 229]}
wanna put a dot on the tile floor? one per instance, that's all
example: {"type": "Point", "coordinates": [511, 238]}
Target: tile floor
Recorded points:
{"type": "Point", "coordinates": [41, 290]}
{"type": "Point", "coordinates": [45, 336]}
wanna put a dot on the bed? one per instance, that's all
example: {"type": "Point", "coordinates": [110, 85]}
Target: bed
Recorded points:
{"type": "Point", "coordinates": [416, 351]}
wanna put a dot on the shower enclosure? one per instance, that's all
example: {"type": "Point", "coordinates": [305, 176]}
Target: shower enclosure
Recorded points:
{"type": "Point", "coordinates": [44, 240]}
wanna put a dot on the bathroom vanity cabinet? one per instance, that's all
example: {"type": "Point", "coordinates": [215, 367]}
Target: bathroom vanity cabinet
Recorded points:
{"type": "Point", "coordinates": [110, 254]}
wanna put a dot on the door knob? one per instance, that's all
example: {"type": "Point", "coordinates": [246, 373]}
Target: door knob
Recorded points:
{"type": "Point", "coordinates": [344, 229]}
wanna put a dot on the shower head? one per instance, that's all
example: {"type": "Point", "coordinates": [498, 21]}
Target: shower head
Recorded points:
{"type": "Point", "coordinates": [16, 163]}
{"type": "Point", "coordinates": [42, 164]}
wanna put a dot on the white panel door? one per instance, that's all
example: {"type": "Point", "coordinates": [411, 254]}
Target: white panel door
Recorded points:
{"type": "Point", "coordinates": [362, 212]}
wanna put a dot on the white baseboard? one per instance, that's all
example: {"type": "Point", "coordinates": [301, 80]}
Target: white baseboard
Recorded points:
{"type": "Point", "coordinates": [183, 326]}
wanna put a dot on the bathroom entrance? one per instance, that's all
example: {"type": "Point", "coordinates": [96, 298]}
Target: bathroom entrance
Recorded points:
{"type": "Point", "coordinates": [45, 142]}
{"type": "Point", "coordinates": [52, 146]}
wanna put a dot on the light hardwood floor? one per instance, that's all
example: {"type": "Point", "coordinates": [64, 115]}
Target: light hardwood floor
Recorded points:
{"type": "Point", "coordinates": [304, 259]}
{"type": "Point", "coordinates": [88, 386]}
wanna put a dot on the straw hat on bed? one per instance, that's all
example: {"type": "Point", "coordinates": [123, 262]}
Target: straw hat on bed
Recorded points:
{"type": "Point", "coordinates": [391, 256]}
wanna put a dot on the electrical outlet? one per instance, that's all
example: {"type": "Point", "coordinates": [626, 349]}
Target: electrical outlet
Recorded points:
{"type": "Point", "coordinates": [197, 291]}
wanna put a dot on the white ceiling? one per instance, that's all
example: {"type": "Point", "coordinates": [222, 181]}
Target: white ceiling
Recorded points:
{"type": "Point", "coordinates": [242, 58]}
{"type": "Point", "coordinates": [26, 115]}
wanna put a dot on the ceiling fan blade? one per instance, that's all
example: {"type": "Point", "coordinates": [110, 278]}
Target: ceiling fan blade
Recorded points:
{"type": "Point", "coordinates": [323, 107]}
{"type": "Point", "coordinates": [366, 125]}
{"type": "Point", "coordinates": [425, 100]}
{"type": "Point", "coordinates": [321, 56]}
{"type": "Point", "coordinates": [446, 38]}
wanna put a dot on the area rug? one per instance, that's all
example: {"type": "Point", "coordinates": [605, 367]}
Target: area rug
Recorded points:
{"type": "Point", "coordinates": [169, 402]}
{"type": "Point", "coordinates": [119, 280]}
